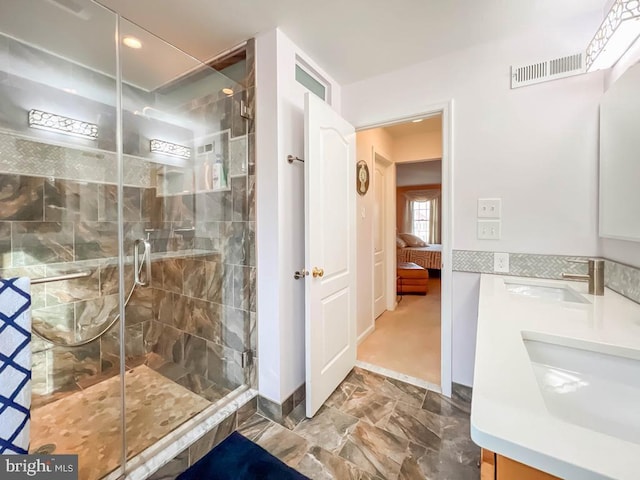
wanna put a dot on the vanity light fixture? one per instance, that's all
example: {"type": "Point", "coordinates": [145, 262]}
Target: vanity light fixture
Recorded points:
{"type": "Point", "coordinates": [132, 42]}
{"type": "Point", "coordinates": [620, 28]}
{"type": "Point", "coordinates": [168, 148]}
{"type": "Point", "coordinates": [59, 124]}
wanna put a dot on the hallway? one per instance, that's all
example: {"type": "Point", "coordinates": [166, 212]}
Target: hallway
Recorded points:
{"type": "Point", "coordinates": [407, 340]}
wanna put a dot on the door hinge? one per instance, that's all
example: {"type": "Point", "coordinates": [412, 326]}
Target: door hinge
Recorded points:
{"type": "Point", "coordinates": [245, 111]}
{"type": "Point", "coordinates": [247, 358]}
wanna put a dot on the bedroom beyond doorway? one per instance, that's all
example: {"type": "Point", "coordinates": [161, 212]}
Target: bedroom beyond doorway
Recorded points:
{"type": "Point", "coordinates": [405, 338]}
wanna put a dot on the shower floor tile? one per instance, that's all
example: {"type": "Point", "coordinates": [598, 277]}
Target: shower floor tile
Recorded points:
{"type": "Point", "coordinates": [87, 422]}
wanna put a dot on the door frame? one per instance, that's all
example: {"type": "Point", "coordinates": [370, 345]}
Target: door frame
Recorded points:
{"type": "Point", "coordinates": [446, 313]}
{"type": "Point", "coordinates": [388, 237]}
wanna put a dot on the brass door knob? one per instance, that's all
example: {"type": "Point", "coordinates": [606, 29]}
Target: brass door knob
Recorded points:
{"type": "Point", "coordinates": [317, 272]}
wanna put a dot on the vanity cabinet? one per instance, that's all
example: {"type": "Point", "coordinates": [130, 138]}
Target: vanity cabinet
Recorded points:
{"type": "Point", "coordinates": [498, 467]}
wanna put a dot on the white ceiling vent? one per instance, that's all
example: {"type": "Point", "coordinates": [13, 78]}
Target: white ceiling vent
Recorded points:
{"type": "Point", "coordinates": [563, 67]}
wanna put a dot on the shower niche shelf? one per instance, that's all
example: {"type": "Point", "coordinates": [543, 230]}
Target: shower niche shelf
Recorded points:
{"type": "Point", "coordinates": [206, 172]}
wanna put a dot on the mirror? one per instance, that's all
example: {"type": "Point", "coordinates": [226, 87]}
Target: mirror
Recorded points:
{"type": "Point", "coordinates": [620, 158]}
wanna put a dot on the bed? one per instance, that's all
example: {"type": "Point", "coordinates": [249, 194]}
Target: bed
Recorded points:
{"type": "Point", "coordinates": [429, 257]}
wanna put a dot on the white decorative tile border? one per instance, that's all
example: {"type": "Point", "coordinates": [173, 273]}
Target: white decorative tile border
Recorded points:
{"type": "Point", "coordinates": [23, 155]}
{"type": "Point", "coordinates": [520, 264]}
{"type": "Point", "coordinates": [418, 382]}
{"type": "Point", "coordinates": [618, 277]}
{"type": "Point", "coordinates": [622, 279]}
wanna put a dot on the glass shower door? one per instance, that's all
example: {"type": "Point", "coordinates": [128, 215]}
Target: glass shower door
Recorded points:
{"type": "Point", "coordinates": [59, 212]}
{"type": "Point", "coordinates": [185, 176]}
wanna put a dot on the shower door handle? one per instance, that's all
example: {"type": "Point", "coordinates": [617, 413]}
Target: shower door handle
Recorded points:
{"type": "Point", "coordinates": [146, 251]}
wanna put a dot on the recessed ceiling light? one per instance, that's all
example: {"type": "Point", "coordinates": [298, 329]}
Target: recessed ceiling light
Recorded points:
{"type": "Point", "coordinates": [70, 90]}
{"type": "Point", "coordinates": [418, 120]}
{"type": "Point", "coordinates": [227, 91]}
{"type": "Point", "coordinates": [132, 42]}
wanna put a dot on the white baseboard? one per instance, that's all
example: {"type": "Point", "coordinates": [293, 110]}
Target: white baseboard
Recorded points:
{"type": "Point", "coordinates": [366, 333]}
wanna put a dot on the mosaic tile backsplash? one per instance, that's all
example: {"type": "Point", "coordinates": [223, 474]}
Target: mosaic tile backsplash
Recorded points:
{"type": "Point", "coordinates": [620, 278]}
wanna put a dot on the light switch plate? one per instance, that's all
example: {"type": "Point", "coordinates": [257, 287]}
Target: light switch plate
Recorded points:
{"type": "Point", "coordinates": [501, 262]}
{"type": "Point", "coordinates": [489, 229]}
{"type": "Point", "coordinates": [489, 207]}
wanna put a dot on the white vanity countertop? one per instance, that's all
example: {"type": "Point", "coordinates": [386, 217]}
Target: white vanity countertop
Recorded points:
{"type": "Point", "coordinates": [508, 413]}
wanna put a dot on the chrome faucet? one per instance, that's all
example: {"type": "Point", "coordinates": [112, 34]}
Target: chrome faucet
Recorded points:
{"type": "Point", "coordinates": [595, 277]}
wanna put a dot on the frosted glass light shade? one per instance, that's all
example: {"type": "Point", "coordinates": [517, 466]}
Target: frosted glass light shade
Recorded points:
{"type": "Point", "coordinates": [618, 31]}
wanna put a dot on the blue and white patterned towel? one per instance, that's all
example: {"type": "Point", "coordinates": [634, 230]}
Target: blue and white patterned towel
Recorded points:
{"type": "Point", "coordinates": [15, 365]}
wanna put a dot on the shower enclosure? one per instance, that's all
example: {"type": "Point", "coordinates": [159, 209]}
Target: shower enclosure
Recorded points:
{"type": "Point", "coordinates": [126, 188]}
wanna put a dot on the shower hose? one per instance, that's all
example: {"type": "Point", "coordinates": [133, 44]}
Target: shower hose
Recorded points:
{"type": "Point", "coordinates": [110, 324]}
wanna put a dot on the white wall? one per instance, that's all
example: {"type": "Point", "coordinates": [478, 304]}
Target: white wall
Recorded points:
{"type": "Point", "coordinates": [268, 251]}
{"type": "Point", "coordinates": [466, 289]}
{"type": "Point", "coordinates": [534, 147]}
{"type": "Point", "coordinates": [419, 146]}
{"type": "Point", "coordinates": [366, 142]}
{"type": "Point", "coordinates": [420, 173]}
{"type": "Point", "coordinates": [280, 213]}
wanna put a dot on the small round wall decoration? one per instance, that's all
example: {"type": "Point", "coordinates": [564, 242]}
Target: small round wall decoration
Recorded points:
{"type": "Point", "coordinates": [362, 177]}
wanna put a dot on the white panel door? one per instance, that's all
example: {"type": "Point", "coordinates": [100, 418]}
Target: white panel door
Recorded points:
{"type": "Point", "coordinates": [379, 297]}
{"type": "Point", "coordinates": [330, 236]}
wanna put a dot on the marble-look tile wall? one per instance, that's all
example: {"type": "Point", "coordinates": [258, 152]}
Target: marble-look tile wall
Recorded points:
{"type": "Point", "coordinates": [204, 306]}
{"type": "Point", "coordinates": [58, 214]}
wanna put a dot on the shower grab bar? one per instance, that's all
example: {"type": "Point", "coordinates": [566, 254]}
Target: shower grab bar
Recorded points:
{"type": "Point", "coordinates": [147, 262]}
{"type": "Point", "coordinates": [60, 278]}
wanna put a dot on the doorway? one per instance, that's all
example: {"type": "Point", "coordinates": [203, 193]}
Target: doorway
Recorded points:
{"type": "Point", "coordinates": [409, 234]}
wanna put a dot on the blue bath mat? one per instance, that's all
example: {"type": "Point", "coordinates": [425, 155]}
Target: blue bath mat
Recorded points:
{"type": "Point", "coordinates": [238, 458]}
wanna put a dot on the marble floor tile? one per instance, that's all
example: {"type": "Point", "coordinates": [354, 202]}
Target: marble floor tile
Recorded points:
{"type": "Point", "coordinates": [328, 429]}
{"type": "Point", "coordinates": [319, 464]}
{"type": "Point", "coordinates": [423, 463]}
{"type": "Point", "coordinates": [375, 450]}
{"type": "Point", "coordinates": [340, 395]}
{"type": "Point", "coordinates": [403, 392]}
{"type": "Point", "coordinates": [369, 405]}
{"type": "Point", "coordinates": [282, 443]}
{"type": "Point", "coordinates": [365, 379]}
{"type": "Point", "coordinates": [442, 405]}
{"type": "Point", "coordinates": [417, 425]}
{"type": "Point", "coordinates": [416, 436]}
{"type": "Point", "coordinates": [254, 426]}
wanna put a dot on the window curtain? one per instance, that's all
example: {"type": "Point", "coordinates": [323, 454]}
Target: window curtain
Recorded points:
{"type": "Point", "coordinates": [432, 196]}
{"type": "Point", "coordinates": [434, 224]}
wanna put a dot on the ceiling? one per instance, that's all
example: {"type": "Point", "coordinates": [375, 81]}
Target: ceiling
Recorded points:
{"type": "Point", "coordinates": [352, 40]}
{"type": "Point", "coordinates": [88, 40]}
{"type": "Point", "coordinates": [432, 124]}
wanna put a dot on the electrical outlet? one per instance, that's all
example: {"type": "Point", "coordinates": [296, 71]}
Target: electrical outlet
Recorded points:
{"type": "Point", "coordinates": [489, 207]}
{"type": "Point", "coordinates": [501, 262]}
{"type": "Point", "coordinates": [488, 229]}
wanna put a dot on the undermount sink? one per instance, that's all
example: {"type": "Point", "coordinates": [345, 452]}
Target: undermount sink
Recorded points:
{"type": "Point", "coordinates": [594, 390]}
{"type": "Point", "coordinates": [558, 293]}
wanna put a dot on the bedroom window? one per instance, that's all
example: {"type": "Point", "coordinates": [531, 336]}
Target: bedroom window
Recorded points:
{"type": "Point", "coordinates": [421, 219]}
